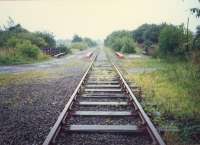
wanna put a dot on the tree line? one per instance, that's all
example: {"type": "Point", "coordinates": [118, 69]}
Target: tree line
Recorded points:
{"type": "Point", "coordinates": [18, 45]}
{"type": "Point", "coordinates": [80, 43]}
{"type": "Point", "coordinates": [165, 39]}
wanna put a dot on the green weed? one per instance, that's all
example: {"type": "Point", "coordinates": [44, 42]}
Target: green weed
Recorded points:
{"type": "Point", "coordinates": [172, 93]}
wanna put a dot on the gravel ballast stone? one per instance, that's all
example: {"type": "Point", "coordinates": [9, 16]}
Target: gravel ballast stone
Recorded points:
{"type": "Point", "coordinates": [29, 109]}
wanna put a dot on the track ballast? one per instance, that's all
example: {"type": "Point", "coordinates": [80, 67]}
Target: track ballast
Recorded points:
{"type": "Point", "coordinates": [103, 110]}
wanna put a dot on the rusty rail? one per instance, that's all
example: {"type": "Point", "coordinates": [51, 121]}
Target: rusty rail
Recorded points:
{"type": "Point", "coordinates": [146, 120]}
{"type": "Point", "coordinates": [57, 126]}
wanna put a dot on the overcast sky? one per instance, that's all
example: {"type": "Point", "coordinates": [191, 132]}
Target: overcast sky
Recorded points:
{"type": "Point", "coordinates": [95, 18]}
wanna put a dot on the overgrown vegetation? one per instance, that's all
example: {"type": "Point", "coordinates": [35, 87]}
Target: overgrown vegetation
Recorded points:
{"type": "Point", "coordinates": [171, 94]}
{"type": "Point", "coordinates": [18, 45]}
{"type": "Point", "coordinates": [121, 41]}
{"type": "Point", "coordinates": [171, 84]}
{"type": "Point", "coordinates": [173, 41]}
{"type": "Point", "coordinates": [79, 43]}
{"type": "Point", "coordinates": [165, 40]}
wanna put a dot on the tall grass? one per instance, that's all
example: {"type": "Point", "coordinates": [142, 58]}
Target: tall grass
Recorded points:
{"type": "Point", "coordinates": [172, 94]}
{"type": "Point", "coordinates": [11, 57]}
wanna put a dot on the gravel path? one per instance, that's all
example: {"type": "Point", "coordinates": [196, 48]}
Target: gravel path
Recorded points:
{"type": "Point", "coordinates": [28, 109]}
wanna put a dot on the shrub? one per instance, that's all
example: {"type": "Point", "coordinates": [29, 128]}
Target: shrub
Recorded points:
{"type": "Point", "coordinates": [128, 45]}
{"type": "Point", "coordinates": [27, 49]}
{"type": "Point", "coordinates": [121, 41]}
{"type": "Point", "coordinates": [79, 46]}
{"type": "Point", "coordinates": [63, 49]}
{"type": "Point", "coordinates": [172, 41]}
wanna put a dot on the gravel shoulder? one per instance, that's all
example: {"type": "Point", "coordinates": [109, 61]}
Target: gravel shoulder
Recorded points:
{"type": "Point", "coordinates": [32, 97]}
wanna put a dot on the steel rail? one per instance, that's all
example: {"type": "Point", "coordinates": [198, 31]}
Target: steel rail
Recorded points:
{"type": "Point", "coordinates": [150, 127]}
{"type": "Point", "coordinates": [57, 126]}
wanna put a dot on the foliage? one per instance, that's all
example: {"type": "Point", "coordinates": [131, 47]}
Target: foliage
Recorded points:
{"type": "Point", "coordinates": [196, 47]}
{"type": "Point", "coordinates": [86, 40]}
{"type": "Point", "coordinates": [27, 49]}
{"type": "Point", "coordinates": [128, 45]}
{"type": "Point", "coordinates": [120, 41]}
{"type": "Point", "coordinates": [173, 40]}
{"type": "Point", "coordinates": [48, 37]}
{"type": "Point", "coordinates": [171, 93]}
{"type": "Point", "coordinates": [78, 46]}
{"type": "Point", "coordinates": [147, 32]}
{"type": "Point", "coordinates": [196, 41]}
{"type": "Point", "coordinates": [196, 11]}
{"type": "Point", "coordinates": [89, 42]}
{"type": "Point", "coordinates": [77, 38]}
{"type": "Point", "coordinates": [18, 45]}
{"type": "Point", "coordinates": [63, 49]}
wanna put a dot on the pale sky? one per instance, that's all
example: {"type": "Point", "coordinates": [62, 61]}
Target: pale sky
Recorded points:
{"type": "Point", "coordinates": [95, 18]}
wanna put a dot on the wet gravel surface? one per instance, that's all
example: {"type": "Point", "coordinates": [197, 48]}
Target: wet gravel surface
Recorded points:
{"type": "Point", "coordinates": [29, 110]}
{"type": "Point", "coordinates": [103, 139]}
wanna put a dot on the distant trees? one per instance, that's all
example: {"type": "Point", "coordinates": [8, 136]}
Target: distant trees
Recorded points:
{"type": "Point", "coordinates": [79, 46]}
{"type": "Point", "coordinates": [77, 38]}
{"type": "Point", "coordinates": [80, 43]}
{"type": "Point", "coordinates": [89, 42]}
{"type": "Point", "coordinates": [120, 41]}
{"type": "Point", "coordinates": [163, 40]}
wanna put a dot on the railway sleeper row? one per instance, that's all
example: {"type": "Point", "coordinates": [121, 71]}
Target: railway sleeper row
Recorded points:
{"type": "Point", "coordinates": [103, 112]}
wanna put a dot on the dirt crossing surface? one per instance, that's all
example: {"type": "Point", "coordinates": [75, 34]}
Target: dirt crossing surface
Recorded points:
{"type": "Point", "coordinates": [29, 108]}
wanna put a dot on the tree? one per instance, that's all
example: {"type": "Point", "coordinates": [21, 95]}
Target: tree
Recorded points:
{"type": "Point", "coordinates": [63, 49]}
{"type": "Point", "coordinates": [77, 38]}
{"type": "Point", "coordinates": [128, 45]}
{"type": "Point", "coordinates": [48, 37]}
{"type": "Point", "coordinates": [34, 38]}
{"type": "Point", "coordinates": [120, 41]}
{"type": "Point", "coordinates": [172, 41]}
{"type": "Point", "coordinates": [89, 42]}
{"type": "Point", "coordinates": [196, 11]}
{"type": "Point", "coordinates": [147, 32]}
{"type": "Point", "coordinates": [79, 46]}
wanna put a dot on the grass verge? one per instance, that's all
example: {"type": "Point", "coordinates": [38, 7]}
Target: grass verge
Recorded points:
{"type": "Point", "coordinates": [172, 94]}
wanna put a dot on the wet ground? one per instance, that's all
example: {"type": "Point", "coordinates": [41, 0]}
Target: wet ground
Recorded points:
{"type": "Point", "coordinates": [29, 108]}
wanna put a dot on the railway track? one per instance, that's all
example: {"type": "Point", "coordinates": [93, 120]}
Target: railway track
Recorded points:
{"type": "Point", "coordinates": [103, 110]}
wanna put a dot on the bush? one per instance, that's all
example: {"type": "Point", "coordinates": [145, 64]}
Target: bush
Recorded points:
{"type": "Point", "coordinates": [128, 45]}
{"type": "Point", "coordinates": [147, 32]}
{"type": "Point", "coordinates": [79, 46]}
{"type": "Point", "coordinates": [27, 49]}
{"type": "Point", "coordinates": [121, 41]}
{"type": "Point", "coordinates": [172, 41]}
{"type": "Point", "coordinates": [63, 49]}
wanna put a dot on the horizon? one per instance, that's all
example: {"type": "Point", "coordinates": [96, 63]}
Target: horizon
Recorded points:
{"type": "Point", "coordinates": [93, 18]}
